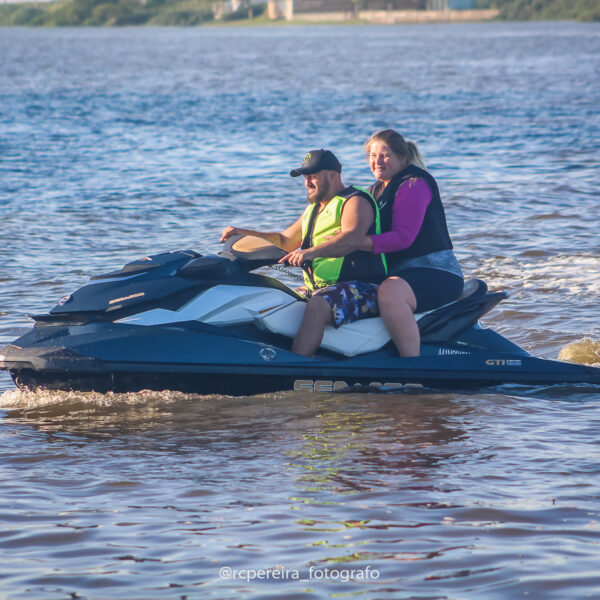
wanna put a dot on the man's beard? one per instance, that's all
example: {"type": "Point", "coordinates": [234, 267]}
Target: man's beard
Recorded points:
{"type": "Point", "coordinates": [319, 195]}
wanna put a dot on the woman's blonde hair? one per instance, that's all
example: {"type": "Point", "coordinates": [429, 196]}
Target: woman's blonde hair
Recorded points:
{"type": "Point", "coordinates": [398, 145]}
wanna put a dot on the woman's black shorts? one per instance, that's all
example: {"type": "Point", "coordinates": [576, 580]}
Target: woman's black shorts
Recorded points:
{"type": "Point", "coordinates": [432, 287]}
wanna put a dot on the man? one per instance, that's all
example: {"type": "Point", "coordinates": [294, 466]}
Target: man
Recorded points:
{"type": "Point", "coordinates": [324, 241]}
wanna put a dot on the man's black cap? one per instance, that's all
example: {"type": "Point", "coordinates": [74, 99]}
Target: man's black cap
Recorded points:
{"type": "Point", "coordinates": [318, 160]}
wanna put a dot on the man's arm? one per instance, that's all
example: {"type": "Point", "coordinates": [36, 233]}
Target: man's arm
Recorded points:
{"type": "Point", "coordinates": [357, 217]}
{"type": "Point", "coordinates": [289, 239]}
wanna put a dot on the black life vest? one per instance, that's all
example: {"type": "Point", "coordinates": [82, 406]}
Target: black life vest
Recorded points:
{"type": "Point", "coordinates": [433, 235]}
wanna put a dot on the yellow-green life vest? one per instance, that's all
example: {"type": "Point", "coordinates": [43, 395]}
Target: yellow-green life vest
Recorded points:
{"type": "Point", "coordinates": [318, 226]}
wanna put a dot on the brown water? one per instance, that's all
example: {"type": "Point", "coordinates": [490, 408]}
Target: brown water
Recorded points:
{"type": "Point", "coordinates": [117, 143]}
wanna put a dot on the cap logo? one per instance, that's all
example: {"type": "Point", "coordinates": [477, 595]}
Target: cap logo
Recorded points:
{"type": "Point", "coordinates": [307, 157]}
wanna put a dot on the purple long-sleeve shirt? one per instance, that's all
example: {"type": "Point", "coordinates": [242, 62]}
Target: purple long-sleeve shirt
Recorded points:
{"type": "Point", "coordinates": [411, 202]}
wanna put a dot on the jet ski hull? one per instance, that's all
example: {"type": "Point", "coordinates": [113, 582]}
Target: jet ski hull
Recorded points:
{"type": "Point", "coordinates": [203, 359]}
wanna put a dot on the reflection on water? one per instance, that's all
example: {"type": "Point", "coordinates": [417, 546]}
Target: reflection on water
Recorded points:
{"type": "Point", "coordinates": [362, 448]}
{"type": "Point", "coordinates": [430, 490]}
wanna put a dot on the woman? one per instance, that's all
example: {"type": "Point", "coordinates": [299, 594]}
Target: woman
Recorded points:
{"type": "Point", "coordinates": [424, 271]}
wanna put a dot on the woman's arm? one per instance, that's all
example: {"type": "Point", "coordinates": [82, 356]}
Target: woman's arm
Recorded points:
{"type": "Point", "coordinates": [411, 202]}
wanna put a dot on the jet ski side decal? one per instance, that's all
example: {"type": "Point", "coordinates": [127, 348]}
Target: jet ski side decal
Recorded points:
{"type": "Point", "coordinates": [501, 362]}
{"type": "Point", "coordinates": [320, 385]}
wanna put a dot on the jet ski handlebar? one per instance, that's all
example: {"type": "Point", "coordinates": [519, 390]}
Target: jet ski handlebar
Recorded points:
{"type": "Point", "coordinates": [251, 252]}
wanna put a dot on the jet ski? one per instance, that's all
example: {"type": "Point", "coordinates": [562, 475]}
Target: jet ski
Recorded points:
{"type": "Point", "coordinates": [218, 324]}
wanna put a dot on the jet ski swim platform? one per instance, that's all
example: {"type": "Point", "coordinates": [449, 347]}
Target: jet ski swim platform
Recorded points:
{"type": "Point", "coordinates": [211, 325]}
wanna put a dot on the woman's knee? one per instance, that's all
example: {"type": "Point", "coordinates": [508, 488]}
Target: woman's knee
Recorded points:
{"type": "Point", "coordinates": [390, 286]}
{"type": "Point", "coordinates": [396, 291]}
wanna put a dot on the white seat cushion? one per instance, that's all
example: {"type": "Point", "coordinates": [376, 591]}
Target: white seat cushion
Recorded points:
{"type": "Point", "coordinates": [366, 335]}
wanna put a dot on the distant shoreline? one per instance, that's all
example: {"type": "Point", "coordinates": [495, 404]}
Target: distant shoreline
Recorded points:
{"type": "Point", "coordinates": [189, 13]}
{"type": "Point", "coordinates": [393, 17]}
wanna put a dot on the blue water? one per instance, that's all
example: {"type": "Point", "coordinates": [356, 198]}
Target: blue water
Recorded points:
{"type": "Point", "coordinates": [115, 143]}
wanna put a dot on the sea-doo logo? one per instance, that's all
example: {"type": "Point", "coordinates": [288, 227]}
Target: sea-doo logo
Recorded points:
{"type": "Point", "coordinates": [64, 300]}
{"type": "Point", "coordinates": [308, 385]}
{"type": "Point", "coordinates": [307, 157]}
{"type": "Point", "coordinates": [267, 354]}
{"type": "Point", "coordinates": [501, 362]}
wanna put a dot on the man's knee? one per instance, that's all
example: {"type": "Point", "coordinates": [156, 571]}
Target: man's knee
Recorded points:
{"type": "Point", "coordinates": [318, 308]}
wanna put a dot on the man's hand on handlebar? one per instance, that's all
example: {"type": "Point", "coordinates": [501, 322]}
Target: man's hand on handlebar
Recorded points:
{"type": "Point", "coordinates": [298, 257]}
{"type": "Point", "coordinates": [229, 231]}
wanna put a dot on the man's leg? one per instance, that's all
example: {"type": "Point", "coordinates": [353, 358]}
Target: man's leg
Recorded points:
{"type": "Point", "coordinates": [317, 314]}
{"type": "Point", "coordinates": [397, 304]}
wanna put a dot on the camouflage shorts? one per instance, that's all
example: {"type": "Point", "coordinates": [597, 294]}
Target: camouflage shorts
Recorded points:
{"type": "Point", "coordinates": [350, 301]}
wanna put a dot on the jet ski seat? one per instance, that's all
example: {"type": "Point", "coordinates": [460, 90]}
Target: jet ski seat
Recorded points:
{"type": "Point", "coordinates": [369, 335]}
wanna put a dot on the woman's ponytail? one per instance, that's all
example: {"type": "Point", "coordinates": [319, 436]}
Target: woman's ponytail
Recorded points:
{"type": "Point", "coordinates": [414, 156]}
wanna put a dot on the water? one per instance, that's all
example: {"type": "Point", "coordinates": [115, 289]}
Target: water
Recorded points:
{"type": "Point", "coordinates": [117, 143]}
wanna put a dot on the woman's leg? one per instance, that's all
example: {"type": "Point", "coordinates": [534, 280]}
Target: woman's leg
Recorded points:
{"type": "Point", "coordinates": [397, 303]}
{"type": "Point", "coordinates": [317, 314]}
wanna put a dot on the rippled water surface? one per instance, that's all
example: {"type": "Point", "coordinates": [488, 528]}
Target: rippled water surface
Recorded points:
{"type": "Point", "coordinates": [118, 143]}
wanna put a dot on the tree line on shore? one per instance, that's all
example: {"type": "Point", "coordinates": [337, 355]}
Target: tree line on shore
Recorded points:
{"type": "Point", "coordinates": [67, 13]}
{"type": "Point", "coordinates": [546, 10]}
